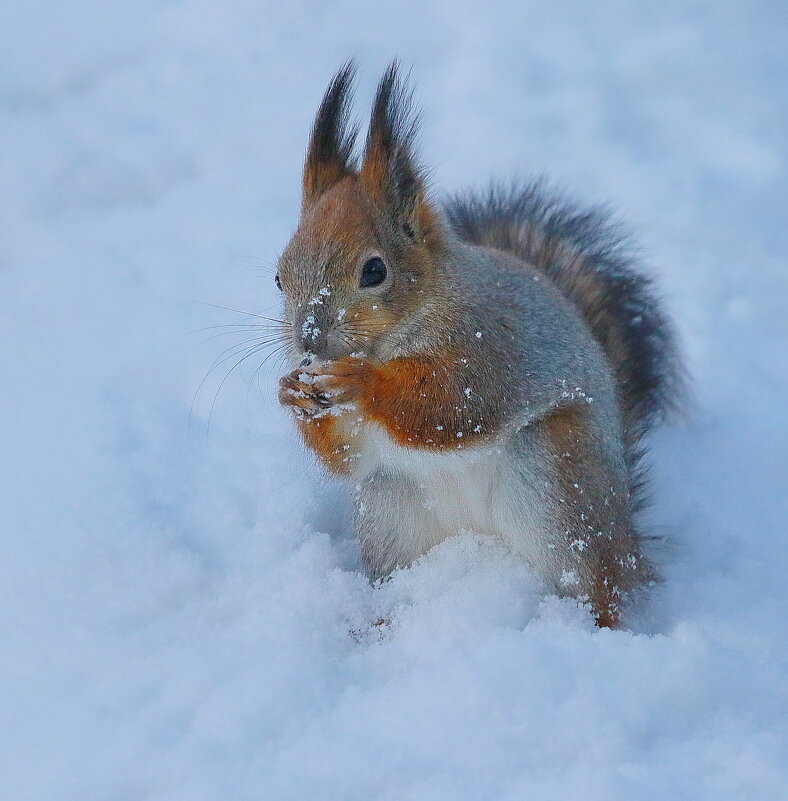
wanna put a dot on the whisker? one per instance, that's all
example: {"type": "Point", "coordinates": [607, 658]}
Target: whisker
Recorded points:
{"type": "Point", "coordinates": [349, 341]}
{"type": "Point", "coordinates": [278, 363]}
{"type": "Point", "coordinates": [242, 311]}
{"type": "Point", "coordinates": [247, 342]}
{"type": "Point", "coordinates": [276, 352]}
{"type": "Point", "coordinates": [240, 361]}
{"type": "Point", "coordinates": [260, 326]}
{"type": "Point", "coordinates": [238, 348]}
{"type": "Point", "coordinates": [357, 327]}
{"type": "Point", "coordinates": [273, 334]}
{"type": "Point", "coordinates": [371, 324]}
{"type": "Point", "coordinates": [266, 262]}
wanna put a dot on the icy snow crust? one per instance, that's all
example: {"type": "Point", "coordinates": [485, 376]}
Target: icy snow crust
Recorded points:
{"type": "Point", "coordinates": [181, 610]}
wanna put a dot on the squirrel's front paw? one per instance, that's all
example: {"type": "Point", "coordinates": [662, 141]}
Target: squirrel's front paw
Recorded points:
{"type": "Point", "coordinates": [318, 388]}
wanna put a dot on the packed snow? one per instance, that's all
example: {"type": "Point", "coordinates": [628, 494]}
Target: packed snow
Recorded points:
{"type": "Point", "coordinates": [182, 611]}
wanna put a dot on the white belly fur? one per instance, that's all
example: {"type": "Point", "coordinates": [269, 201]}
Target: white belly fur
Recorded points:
{"type": "Point", "coordinates": [469, 489]}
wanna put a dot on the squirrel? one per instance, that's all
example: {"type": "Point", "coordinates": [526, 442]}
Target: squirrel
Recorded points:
{"type": "Point", "coordinates": [490, 363]}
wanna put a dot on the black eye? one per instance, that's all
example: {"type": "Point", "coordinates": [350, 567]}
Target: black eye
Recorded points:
{"type": "Point", "coordinates": [278, 282]}
{"type": "Point", "coordinates": [374, 273]}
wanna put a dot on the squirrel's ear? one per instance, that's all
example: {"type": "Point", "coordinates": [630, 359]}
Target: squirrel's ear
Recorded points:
{"type": "Point", "coordinates": [329, 157]}
{"type": "Point", "coordinates": [390, 170]}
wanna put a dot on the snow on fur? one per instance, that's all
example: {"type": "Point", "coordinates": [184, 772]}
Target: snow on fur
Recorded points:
{"type": "Point", "coordinates": [182, 610]}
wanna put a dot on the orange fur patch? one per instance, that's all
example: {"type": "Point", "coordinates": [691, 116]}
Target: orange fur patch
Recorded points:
{"type": "Point", "coordinates": [324, 436]}
{"type": "Point", "coordinates": [608, 546]}
{"type": "Point", "coordinates": [418, 405]}
{"type": "Point", "coordinates": [319, 178]}
{"type": "Point", "coordinates": [341, 218]}
{"type": "Point", "coordinates": [375, 171]}
{"type": "Point", "coordinates": [566, 434]}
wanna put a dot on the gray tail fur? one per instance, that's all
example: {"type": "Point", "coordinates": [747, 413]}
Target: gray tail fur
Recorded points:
{"type": "Point", "coordinates": [593, 264]}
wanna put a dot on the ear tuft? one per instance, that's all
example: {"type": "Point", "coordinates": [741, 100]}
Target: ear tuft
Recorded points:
{"type": "Point", "coordinates": [390, 167]}
{"type": "Point", "coordinates": [329, 156]}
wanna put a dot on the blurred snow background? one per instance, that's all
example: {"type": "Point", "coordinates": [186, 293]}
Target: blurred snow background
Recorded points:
{"type": "Point", "coordinates": [181, 615]}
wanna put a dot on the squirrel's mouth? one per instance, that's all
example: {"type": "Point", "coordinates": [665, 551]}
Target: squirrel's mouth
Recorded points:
{"type": "Point", "coordinates": [322, 332]}
{"type": "Point", "coordinates": [335, 343]}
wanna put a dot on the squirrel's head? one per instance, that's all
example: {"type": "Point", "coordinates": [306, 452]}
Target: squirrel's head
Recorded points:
{"type": "Point", "coordinates": [363, 257]}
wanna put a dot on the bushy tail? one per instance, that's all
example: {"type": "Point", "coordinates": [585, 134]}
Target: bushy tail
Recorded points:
{"type": "Point", "coordinates": [592, 263]}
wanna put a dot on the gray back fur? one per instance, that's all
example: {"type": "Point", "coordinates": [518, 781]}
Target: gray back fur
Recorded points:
{"type": "Point", "coordinates": [589, 259]}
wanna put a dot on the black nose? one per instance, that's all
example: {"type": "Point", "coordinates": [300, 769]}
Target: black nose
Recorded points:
{"type": "Point", "coordinates": [313, 335]}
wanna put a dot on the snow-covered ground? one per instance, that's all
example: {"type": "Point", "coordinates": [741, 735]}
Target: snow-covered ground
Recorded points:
{"type": "Point", "coordinates": [181, 614]}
